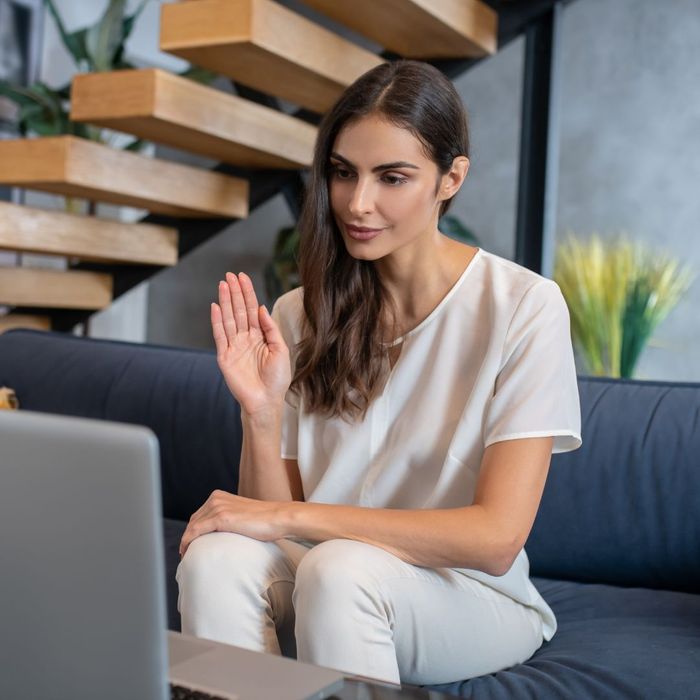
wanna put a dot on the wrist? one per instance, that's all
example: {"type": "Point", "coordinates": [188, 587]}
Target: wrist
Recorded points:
{"type": "Point", "coordinates": [265, 417]}
{"type": "Point", "coordinates": [290, 517]}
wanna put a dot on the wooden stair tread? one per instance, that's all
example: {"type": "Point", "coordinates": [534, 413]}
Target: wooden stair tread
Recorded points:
{"type": "Point", "coordinates": [54, 289]}
{"type": "Point", "coordinates": [13, 320]}
{"type": "Point", "coordinates": [420, 28]}
{"type": "Point", "coordinates": [159, 106]}
{"type": "Point", "coordinates": [86, 237]}
{"type": "Point", "coordinates": [77, 167]}
{"type": "Point", "coordinates": [265, 46]}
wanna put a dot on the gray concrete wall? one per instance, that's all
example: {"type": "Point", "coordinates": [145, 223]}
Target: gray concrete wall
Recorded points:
{"type": "Point", "coordinates": [492, 94]}
{"type": "Point", "coordinates": [630, 145]}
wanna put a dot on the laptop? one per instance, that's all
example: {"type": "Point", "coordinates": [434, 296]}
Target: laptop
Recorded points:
{"type": "Point", "coordinates": [82, 581]}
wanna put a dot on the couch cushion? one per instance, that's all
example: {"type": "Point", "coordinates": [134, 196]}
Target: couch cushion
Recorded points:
{"type": "Point", "coordinates": [612, 642]}
{"type": "Point", "coordinates": [625, 507]}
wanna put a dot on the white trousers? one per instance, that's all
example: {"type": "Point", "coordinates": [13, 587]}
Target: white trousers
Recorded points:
{"type": "Point", "coordinates": [353, 607]}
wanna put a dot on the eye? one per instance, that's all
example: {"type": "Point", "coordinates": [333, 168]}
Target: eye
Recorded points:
{"type": "Point", "coordinates": [340, 172]}
{"type": "Point", "coordinates": [394, 179]}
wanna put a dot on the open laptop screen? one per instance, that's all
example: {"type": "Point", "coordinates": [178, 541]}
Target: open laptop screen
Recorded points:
{"type": "Point", "coordinates": [82, 609]}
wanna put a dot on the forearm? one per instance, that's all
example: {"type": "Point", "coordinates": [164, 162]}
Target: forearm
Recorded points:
{"type": "Point", "coordinates": [262, 474]}
{"type": "Point", "coordinates": [457, 537]}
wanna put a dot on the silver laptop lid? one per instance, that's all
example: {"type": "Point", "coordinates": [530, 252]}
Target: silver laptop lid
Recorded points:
{"type": "Point", "coordinates": [65, 489]}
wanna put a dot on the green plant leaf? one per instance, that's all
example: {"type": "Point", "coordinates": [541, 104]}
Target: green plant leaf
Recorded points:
{"type": "Point", "coordinates": [135, 145]}
{"type": "Point", "coordinates": [21, 96]}
{"type": "Point", "coordinates": [74, 42]}
{"type": "Point", "coordinates": [126, 29]}
{"type": "Point", "coordinates": [282, 271]}
{"type": "Point", "coordinates": [63, 92]}
{"type": "Point", "coordinates": [29, 115]}
{"type": "Point", "coordinates": [128, 22]}
{"type": "Point", "coordinates": [636, 328]}
{"type": "Point", "coordinates": [199, 75]}
{"type": "Point", "coordinates": [79, 39]}
{"type": "Point", "coordinates": [84, 131]}
{"type": "Point", "coordinates": [41, 109]}
{"type": "Point", "coordinates": [104, 37]}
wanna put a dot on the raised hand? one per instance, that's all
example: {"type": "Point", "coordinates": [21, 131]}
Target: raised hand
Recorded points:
{"type": "Point", "coordinates": [250, 350]}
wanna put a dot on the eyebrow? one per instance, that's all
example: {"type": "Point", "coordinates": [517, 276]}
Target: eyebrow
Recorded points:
{"type": "Point", "coordinates": [376, 168]}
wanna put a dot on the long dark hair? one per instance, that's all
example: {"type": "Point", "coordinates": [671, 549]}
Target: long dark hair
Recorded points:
{"type": "Point", "coordinates": [339, 366]}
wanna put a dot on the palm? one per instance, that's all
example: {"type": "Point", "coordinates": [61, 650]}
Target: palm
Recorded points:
{"type": "Point", "coordinates": [251, 353]}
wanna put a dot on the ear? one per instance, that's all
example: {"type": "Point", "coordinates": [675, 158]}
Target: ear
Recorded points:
{"type": "Point", "coordinates": [451, 181]}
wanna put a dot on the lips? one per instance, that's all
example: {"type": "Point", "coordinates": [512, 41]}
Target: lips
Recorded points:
{"type": "Point", "coordinates": [362, 233]}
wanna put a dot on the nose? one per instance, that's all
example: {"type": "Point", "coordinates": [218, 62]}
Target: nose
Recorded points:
{"type": "Point", "coordinates": [361, 198]}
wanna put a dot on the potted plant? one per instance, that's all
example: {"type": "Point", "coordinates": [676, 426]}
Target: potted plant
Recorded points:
{"type": "Point", "coordinates": [617, 293]}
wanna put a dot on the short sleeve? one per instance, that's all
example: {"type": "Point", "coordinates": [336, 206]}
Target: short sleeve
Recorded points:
{"type": "Point", "coordinates": [290, 414]}
{"type": "Point", "coordinates": [536, 388]}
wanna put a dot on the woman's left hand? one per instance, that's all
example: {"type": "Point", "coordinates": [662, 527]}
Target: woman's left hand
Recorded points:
{"type": "Point", "coordinates": [226, 512]}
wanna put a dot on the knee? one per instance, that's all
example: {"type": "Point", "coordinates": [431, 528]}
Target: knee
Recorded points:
{"type": "Point", "coordinates": [220, 555]}
{"type": "Point", "coordinates": [337, 568]}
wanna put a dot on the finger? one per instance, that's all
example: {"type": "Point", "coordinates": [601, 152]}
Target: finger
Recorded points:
{"type": "Point", "coordinates": [228, 321]}
{"type": "Point", "coordinates": [273, 336]}
{"type": "Point", "coordinates": [250, 299]}
{"type": "Point", "coordinates": [184, 542]}
{"type": "Point", "coordinates": [192, 532]}
{"type": "Point", "coordinates": [217, 327]}
{"type": "Point", "coordinates": [239, 310]}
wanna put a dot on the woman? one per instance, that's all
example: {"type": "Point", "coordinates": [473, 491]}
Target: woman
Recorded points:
{"type": "Point", "coordinates": [418, 387]}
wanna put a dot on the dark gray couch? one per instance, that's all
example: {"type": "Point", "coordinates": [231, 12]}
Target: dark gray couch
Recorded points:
{"type": "Point", "coordinates": [615, 549]}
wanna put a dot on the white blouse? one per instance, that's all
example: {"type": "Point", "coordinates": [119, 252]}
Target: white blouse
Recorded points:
{"type": "Point", "coordinates": [493, 361]}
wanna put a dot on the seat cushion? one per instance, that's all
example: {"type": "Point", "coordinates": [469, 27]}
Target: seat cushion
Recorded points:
{"type": "Point", "coordinates": [612, 642]}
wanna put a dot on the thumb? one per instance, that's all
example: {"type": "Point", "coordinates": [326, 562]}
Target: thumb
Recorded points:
{"type": "Point", "coordinates": [271, 330]}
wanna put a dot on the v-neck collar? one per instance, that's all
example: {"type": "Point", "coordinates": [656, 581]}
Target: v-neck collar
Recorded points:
{"type": "Point", "coordinates": [435, 312]}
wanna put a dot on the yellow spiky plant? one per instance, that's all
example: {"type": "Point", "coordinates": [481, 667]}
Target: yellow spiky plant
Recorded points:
{"type": "Point", "coordinates": [617, 293]}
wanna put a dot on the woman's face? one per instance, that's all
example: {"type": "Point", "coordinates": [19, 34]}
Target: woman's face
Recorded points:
{"type": "Point", "coordinates": [380, 179]}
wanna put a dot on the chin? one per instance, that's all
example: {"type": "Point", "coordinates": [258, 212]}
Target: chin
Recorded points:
{"type": "Point", "coordinates": [362, 252]}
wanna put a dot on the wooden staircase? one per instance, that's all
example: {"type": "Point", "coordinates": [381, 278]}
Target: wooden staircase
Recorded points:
{"type": "Point", "coordinates": [80, 168]}
{"type": "Point", "coordinates": [159, 106]}
{"type": "Point", "coordinates": [264, 47]}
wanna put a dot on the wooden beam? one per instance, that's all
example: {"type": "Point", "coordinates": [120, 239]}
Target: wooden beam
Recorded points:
{"type": "Point", "coordinates": [85, 237]}
{"type": "Point", "coordinates": [166, 108]}
{"type": "Point", "coordinates": [420, 28]}
{"type": "Point", "coordinates": [80, 168]}
{"type": "Point", "coordinates": [54, 289]}
{"type": "Point", "coordinates": [12, 320]}
{"type": "Point", "coordinates": [263, 45]}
